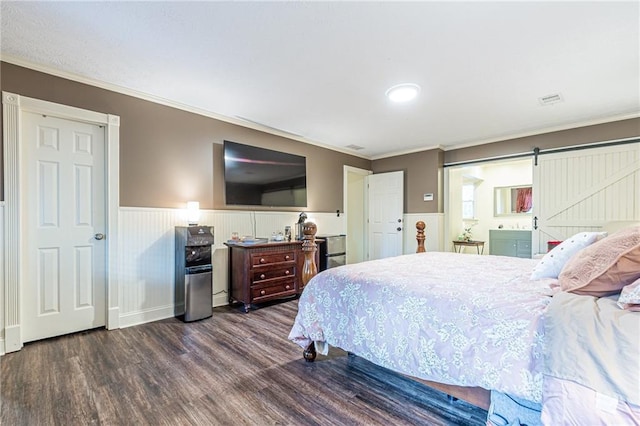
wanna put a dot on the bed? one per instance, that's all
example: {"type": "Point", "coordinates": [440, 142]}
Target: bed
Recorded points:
{"type": "Point", "coordinates": [477, 327]}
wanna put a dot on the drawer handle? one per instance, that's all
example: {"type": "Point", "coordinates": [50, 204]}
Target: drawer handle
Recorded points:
{"type": "Point", "coordinates": [262, 276]}
{"type": "Point", "coordinates": [287, 257]}
{"type": "Point", "coordinates": [287, 272]}
{"type": "Point", "coordinates": [262, 292]}
{"type": "Point", "coordinates": [287, 287]}
{"type": "Point", "coordinates": [262, 260]}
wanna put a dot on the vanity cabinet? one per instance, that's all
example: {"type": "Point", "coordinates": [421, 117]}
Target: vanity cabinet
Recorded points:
{"type": "Point", "coordinates": [264, 272]}
{"type": "Point", "coordinates": [510, 242]}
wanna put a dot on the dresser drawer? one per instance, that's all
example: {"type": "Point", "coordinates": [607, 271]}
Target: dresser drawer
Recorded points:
{"type": "Point", "coordinates": [269, 258]}
{"type": "Point", "coordinates": [264, 274]}
{"type": "Point", "coordinates": [277, 288]}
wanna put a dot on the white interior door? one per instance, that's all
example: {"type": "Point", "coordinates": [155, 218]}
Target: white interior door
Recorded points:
{"type": "Point", "coordinates": [64, 267]}
{"type": "Point", "coordinates": [582, 190]}
{"type": "Point", "coordinates": [385, 213]}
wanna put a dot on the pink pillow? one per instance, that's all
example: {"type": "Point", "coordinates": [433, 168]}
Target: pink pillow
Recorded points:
{"type": "Point", "coordinates": [552, 263]}
{"type": "Point", "coordinates": [604, 267]}
{"type": "Point", "coordinates": [630, 296]}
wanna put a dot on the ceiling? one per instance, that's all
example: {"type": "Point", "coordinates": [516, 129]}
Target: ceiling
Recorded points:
{"type": "Point", "coordinates": [318, 71]}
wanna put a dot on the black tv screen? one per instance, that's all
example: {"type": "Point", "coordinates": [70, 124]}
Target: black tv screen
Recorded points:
{"type": "Point", "coordinates": [262, 177]}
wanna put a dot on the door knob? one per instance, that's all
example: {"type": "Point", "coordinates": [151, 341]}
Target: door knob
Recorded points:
{"type": "Point", "coordinates": [398, 229]}
{"type": "Point", "coordinates": [99, 236]}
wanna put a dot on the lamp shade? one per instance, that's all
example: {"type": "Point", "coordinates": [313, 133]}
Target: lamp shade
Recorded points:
{"type": "Point", "coordinates": [193, 212]}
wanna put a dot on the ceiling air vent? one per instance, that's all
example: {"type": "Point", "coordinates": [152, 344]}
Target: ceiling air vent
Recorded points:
{"type": "Point", "coordinates": [551, 99]}
{"type": "Point", "coordinates": [355, 147]}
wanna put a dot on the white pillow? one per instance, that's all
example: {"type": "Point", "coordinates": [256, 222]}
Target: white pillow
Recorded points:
{"type": "Point", "coordinates": [552, 263]}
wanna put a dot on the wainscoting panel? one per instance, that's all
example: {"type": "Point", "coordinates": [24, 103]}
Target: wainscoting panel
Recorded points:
{"type": "Point", "coordinates": [146, 270]}
{"type": "Point", "coordinates": [146, 264]}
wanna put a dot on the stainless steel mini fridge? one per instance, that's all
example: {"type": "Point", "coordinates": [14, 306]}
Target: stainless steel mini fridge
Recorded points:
{"type": "Point", "coordinates": [333, 251]}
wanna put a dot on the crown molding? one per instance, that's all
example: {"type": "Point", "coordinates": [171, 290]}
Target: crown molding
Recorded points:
{"type": "Point", "coordinates": [246, 123]}
{"type": "Point", "coordinates": [408, 151]}
{"type": "Point", "coordinates": [167, 102]}
{"type": "Point", "coordinates": [510, 136]}
{"type": "Point", "coordinates": [550, 129]}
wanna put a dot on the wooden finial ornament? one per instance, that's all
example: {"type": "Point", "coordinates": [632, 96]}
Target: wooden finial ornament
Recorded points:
{"type": "Point", "coordinates": [420, 236]}
{"type": "Point", "coordinates": [309, 247]}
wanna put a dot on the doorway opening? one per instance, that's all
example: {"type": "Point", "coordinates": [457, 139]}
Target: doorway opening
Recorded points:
{"type": "Point", "coordinates": [472, 207]}
{"type": "Point", "coordinates": [355, 199]}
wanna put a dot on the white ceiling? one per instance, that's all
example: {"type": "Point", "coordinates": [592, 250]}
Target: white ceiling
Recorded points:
{"type": "Point", "coordinates": [320, 69]}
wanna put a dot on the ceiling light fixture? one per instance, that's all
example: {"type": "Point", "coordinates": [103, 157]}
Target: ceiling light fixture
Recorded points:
{"type": "Point", "coordinates": [403, 92]}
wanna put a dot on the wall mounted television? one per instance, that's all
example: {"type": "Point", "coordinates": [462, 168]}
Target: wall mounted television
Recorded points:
{"type": "Point", "coordinates": [256, 176]}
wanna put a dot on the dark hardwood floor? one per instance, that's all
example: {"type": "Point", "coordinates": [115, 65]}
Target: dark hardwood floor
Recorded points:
{"type": "Point", "coordinates": [231, 369]}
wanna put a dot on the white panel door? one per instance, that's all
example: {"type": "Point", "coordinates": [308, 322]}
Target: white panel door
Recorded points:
{"type": "Point", "coordinates": [386, 209]}
{"type": "Point", "coordinates": [582, 190]}
{"type": "Point", "coordinates": [64, 274]}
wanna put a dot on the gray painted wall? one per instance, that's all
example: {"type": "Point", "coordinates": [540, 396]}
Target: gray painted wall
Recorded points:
{"type": "Point", "coordinates": [168, 156]}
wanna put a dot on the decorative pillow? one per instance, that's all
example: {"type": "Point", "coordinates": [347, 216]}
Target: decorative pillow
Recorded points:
{"type": "Point", "coordinates": [604, 267]}
{"type": "Point", "coordinates": [552, 263]}
{"type": "Point", "coordinates": [630, 296]}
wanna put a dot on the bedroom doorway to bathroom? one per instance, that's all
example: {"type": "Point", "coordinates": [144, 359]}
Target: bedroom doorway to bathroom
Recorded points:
{"type": "Point", "coordinates": [574, 189]}
{"type": "Point", "coordinates": [471, 202]}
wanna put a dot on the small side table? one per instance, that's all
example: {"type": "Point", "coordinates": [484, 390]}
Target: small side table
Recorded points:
{"type": "Point", "coordinates": [459, 245]}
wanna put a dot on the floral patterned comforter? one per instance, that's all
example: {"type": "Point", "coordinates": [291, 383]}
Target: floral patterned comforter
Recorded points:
{"type": "Point", "coordinates": [459, 319]}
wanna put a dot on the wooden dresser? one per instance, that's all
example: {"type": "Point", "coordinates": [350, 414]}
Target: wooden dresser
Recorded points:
{"type": "Point", "coordinates": [265, 271]}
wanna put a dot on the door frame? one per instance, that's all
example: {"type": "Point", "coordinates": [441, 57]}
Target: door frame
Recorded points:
{"type": "Point", "coordinates": [453, 205]}
{"type": "Point", "coordinates": [348, 173]}
{"type": "Point", "coordinates": [14, 185]}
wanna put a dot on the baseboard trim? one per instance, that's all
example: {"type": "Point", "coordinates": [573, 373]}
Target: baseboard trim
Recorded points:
{"type": "Point", "coordinates": [221, 300]}
{"type": "Point", "coordinates": [113, 318]}
{"type": "Point", "coordinates": [150, 315]}
{"type": "Point", "coordinates": [12, 339]}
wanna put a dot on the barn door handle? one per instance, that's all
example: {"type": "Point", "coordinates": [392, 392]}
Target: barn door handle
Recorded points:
{"type": "Point", "coordinates": [535, 222]}
{"type": "Point", "coordinates": [99, 236]}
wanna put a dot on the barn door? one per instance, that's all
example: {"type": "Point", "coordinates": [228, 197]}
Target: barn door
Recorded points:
{"type": "Point", "coordinates": [582, 190]}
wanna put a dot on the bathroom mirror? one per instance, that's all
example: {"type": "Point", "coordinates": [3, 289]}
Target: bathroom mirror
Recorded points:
{"type": "Point", "coordinates": [512, 200]}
